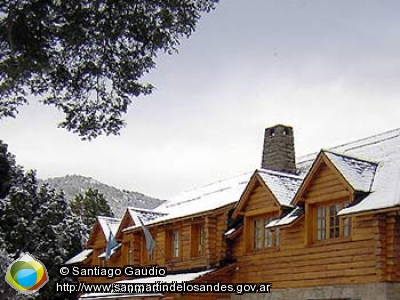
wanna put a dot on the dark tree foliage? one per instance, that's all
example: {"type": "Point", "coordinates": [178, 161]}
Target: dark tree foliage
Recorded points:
{"type": "Point", "coordinates": [36, 219]}
{"type": "Point", "coordinates": [86, 207]}
{"type": "Point", "coordinates": [86, 57]}
{"type": "Point", "coordinates": [6, 163]}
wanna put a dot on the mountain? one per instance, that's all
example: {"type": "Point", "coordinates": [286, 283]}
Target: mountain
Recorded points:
{"type": "Point", "coordinates": [118, 199]}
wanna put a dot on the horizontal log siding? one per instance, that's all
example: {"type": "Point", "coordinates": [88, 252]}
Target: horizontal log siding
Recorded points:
{"type": "Point", "coordinates": [301, 262]}
{"type": "Point", "coordinates": [295, 264]}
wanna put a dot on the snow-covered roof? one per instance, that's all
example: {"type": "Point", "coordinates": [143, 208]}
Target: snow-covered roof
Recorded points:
{"type": "Point", "coordinates": [286, 220]}
{"type": "Point", "coordinates": [371, 165]}
{"type": "Point", "coordinates": [80, 257]}
{"type": "Point", "coordinates": [203, 199]}
{"type": "Point", "coordinates": [107, 224]}
{"type": "Point", "coordinates": [146, 215]}
{"type": "Point", "coordinates": [358, 173]}
{"type": "Point", "coordinates": [385, 189]}
{"type": "Point", "coordinates": [282, 185]}
{"type": "Point", "coordinates": [183, 277]}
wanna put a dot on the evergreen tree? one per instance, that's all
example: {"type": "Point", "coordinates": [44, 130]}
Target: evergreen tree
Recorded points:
{"type": "Point", "coordinates": [6, 161]}
{"type": "Point", "coordinates": [90, 205]}
{"type": "Point", "coordinates": [5, 260]}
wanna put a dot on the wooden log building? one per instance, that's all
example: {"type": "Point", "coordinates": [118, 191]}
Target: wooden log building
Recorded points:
{"type": "Point", "coordinates": [326, 226]}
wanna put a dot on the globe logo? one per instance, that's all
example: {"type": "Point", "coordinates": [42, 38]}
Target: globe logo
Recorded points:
{"type": "Point", "coordinates": [27, 274]}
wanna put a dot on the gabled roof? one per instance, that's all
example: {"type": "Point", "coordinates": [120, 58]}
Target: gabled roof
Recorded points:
{"type": "Point", "coordinates": [385, 190]}
{"type": "Point", "coordinates": [146, 215]}
{"type": "Point", "coordinates": [108, 224]}
{"type": "Point", "coordinates": [200, 200]}
{"type": "Point", "coordinates": [378, 155]}
{"type": "Point", "coordinates": [358, 173]}
{"type": "Point", "coordinates": [126, 221]}
{"type": "Point", "coordinates": [103, 225]}
{"type": "Point", "coordinates": [367, 165]}
{"type": "Point", "coordinates": [281, 186]}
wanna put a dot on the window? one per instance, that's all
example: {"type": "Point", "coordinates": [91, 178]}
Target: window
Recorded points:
{"type": "Point", "coordinates": [201, 240]}
{"type": "Point", "coordinates": [175, 251]}
{"type": "Point", "coordinates": [329, 224]}
{"type": "Point", "coordinates": [264, 237]}
{"type": "Point", "coordinates": [268, 239]}
{"type": "Point", "coordinates": [277, 237]}
{"type": "Point", "coordinates": [198, 241]}
{"type": "Point", "coordinates": [258, 230]}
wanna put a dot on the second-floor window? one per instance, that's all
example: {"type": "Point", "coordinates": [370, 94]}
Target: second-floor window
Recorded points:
{"type": "Point", "coordinates": [175, 250]}
{"type": "Point", "coordinates": [328, 224]}
{"type": "Point", "coordinates": [198, 241]}
{"type": "Point", "coordinates": [264, 237]}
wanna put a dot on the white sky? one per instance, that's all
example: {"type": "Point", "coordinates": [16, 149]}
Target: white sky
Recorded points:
{"type": "Point", "coordinates": [331, 69]}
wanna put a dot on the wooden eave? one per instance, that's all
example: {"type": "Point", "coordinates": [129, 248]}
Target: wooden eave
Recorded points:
{"type": "Point", "coordinates": [321, 159]}
{"type": "Point", "coordinates": [254, 181]}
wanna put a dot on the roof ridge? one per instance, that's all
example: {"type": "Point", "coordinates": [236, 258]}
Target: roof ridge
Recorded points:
{"type": "Point", "coordinates": [350, 156]}
{"type": "Point", "coordinates": [369, 140]}
{"type": "Point", "coordinates": [273, 172]}
{"type": "Point", "coordinates": [109, 218]}
{"type": "Point", "coordinates": [144, 210]}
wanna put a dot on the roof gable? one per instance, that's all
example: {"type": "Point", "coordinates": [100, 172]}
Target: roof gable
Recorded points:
{"type": "Point", "coordinates": [95, 234]}
{"type": "Point", "coordinates": [108, 225]}
{"type": "Point", "coordinates": [101, 229]}
{"type": "Point", "coordinates": [280, 187]}
{"type": "Point", "coordinates": [358, 173]}
{"type": "Point", "coordinates": [127, 220]}
{"type": "Point", "coordinates": [322, 164]}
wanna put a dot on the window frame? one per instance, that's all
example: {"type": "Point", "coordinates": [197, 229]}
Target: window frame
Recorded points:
{"type": "Point", "coordinates": [198, 240]}
{"type": "Point", "coordinates": [175, 244]}
{"type": "Point", "coordinates": [328, 226]}
{"type": "Point", "coordinates": [263, 238]}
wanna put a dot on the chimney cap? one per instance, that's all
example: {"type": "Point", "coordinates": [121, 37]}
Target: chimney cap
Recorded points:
{"type": "Point", "coordinates": [279, 129]}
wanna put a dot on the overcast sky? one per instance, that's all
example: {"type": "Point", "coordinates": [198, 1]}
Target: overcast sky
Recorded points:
{"type": "Point", "coordinates": [331, 69]}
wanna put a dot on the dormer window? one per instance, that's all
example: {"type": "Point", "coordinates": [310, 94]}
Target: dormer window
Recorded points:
{"type": "Point", "coordinates": [328, 224]}
{"type": "Point", "coordinates": [263, 237]}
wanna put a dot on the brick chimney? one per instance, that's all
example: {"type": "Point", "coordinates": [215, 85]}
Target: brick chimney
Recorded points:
{"type": "Point", "coordinates": [278, 152]}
